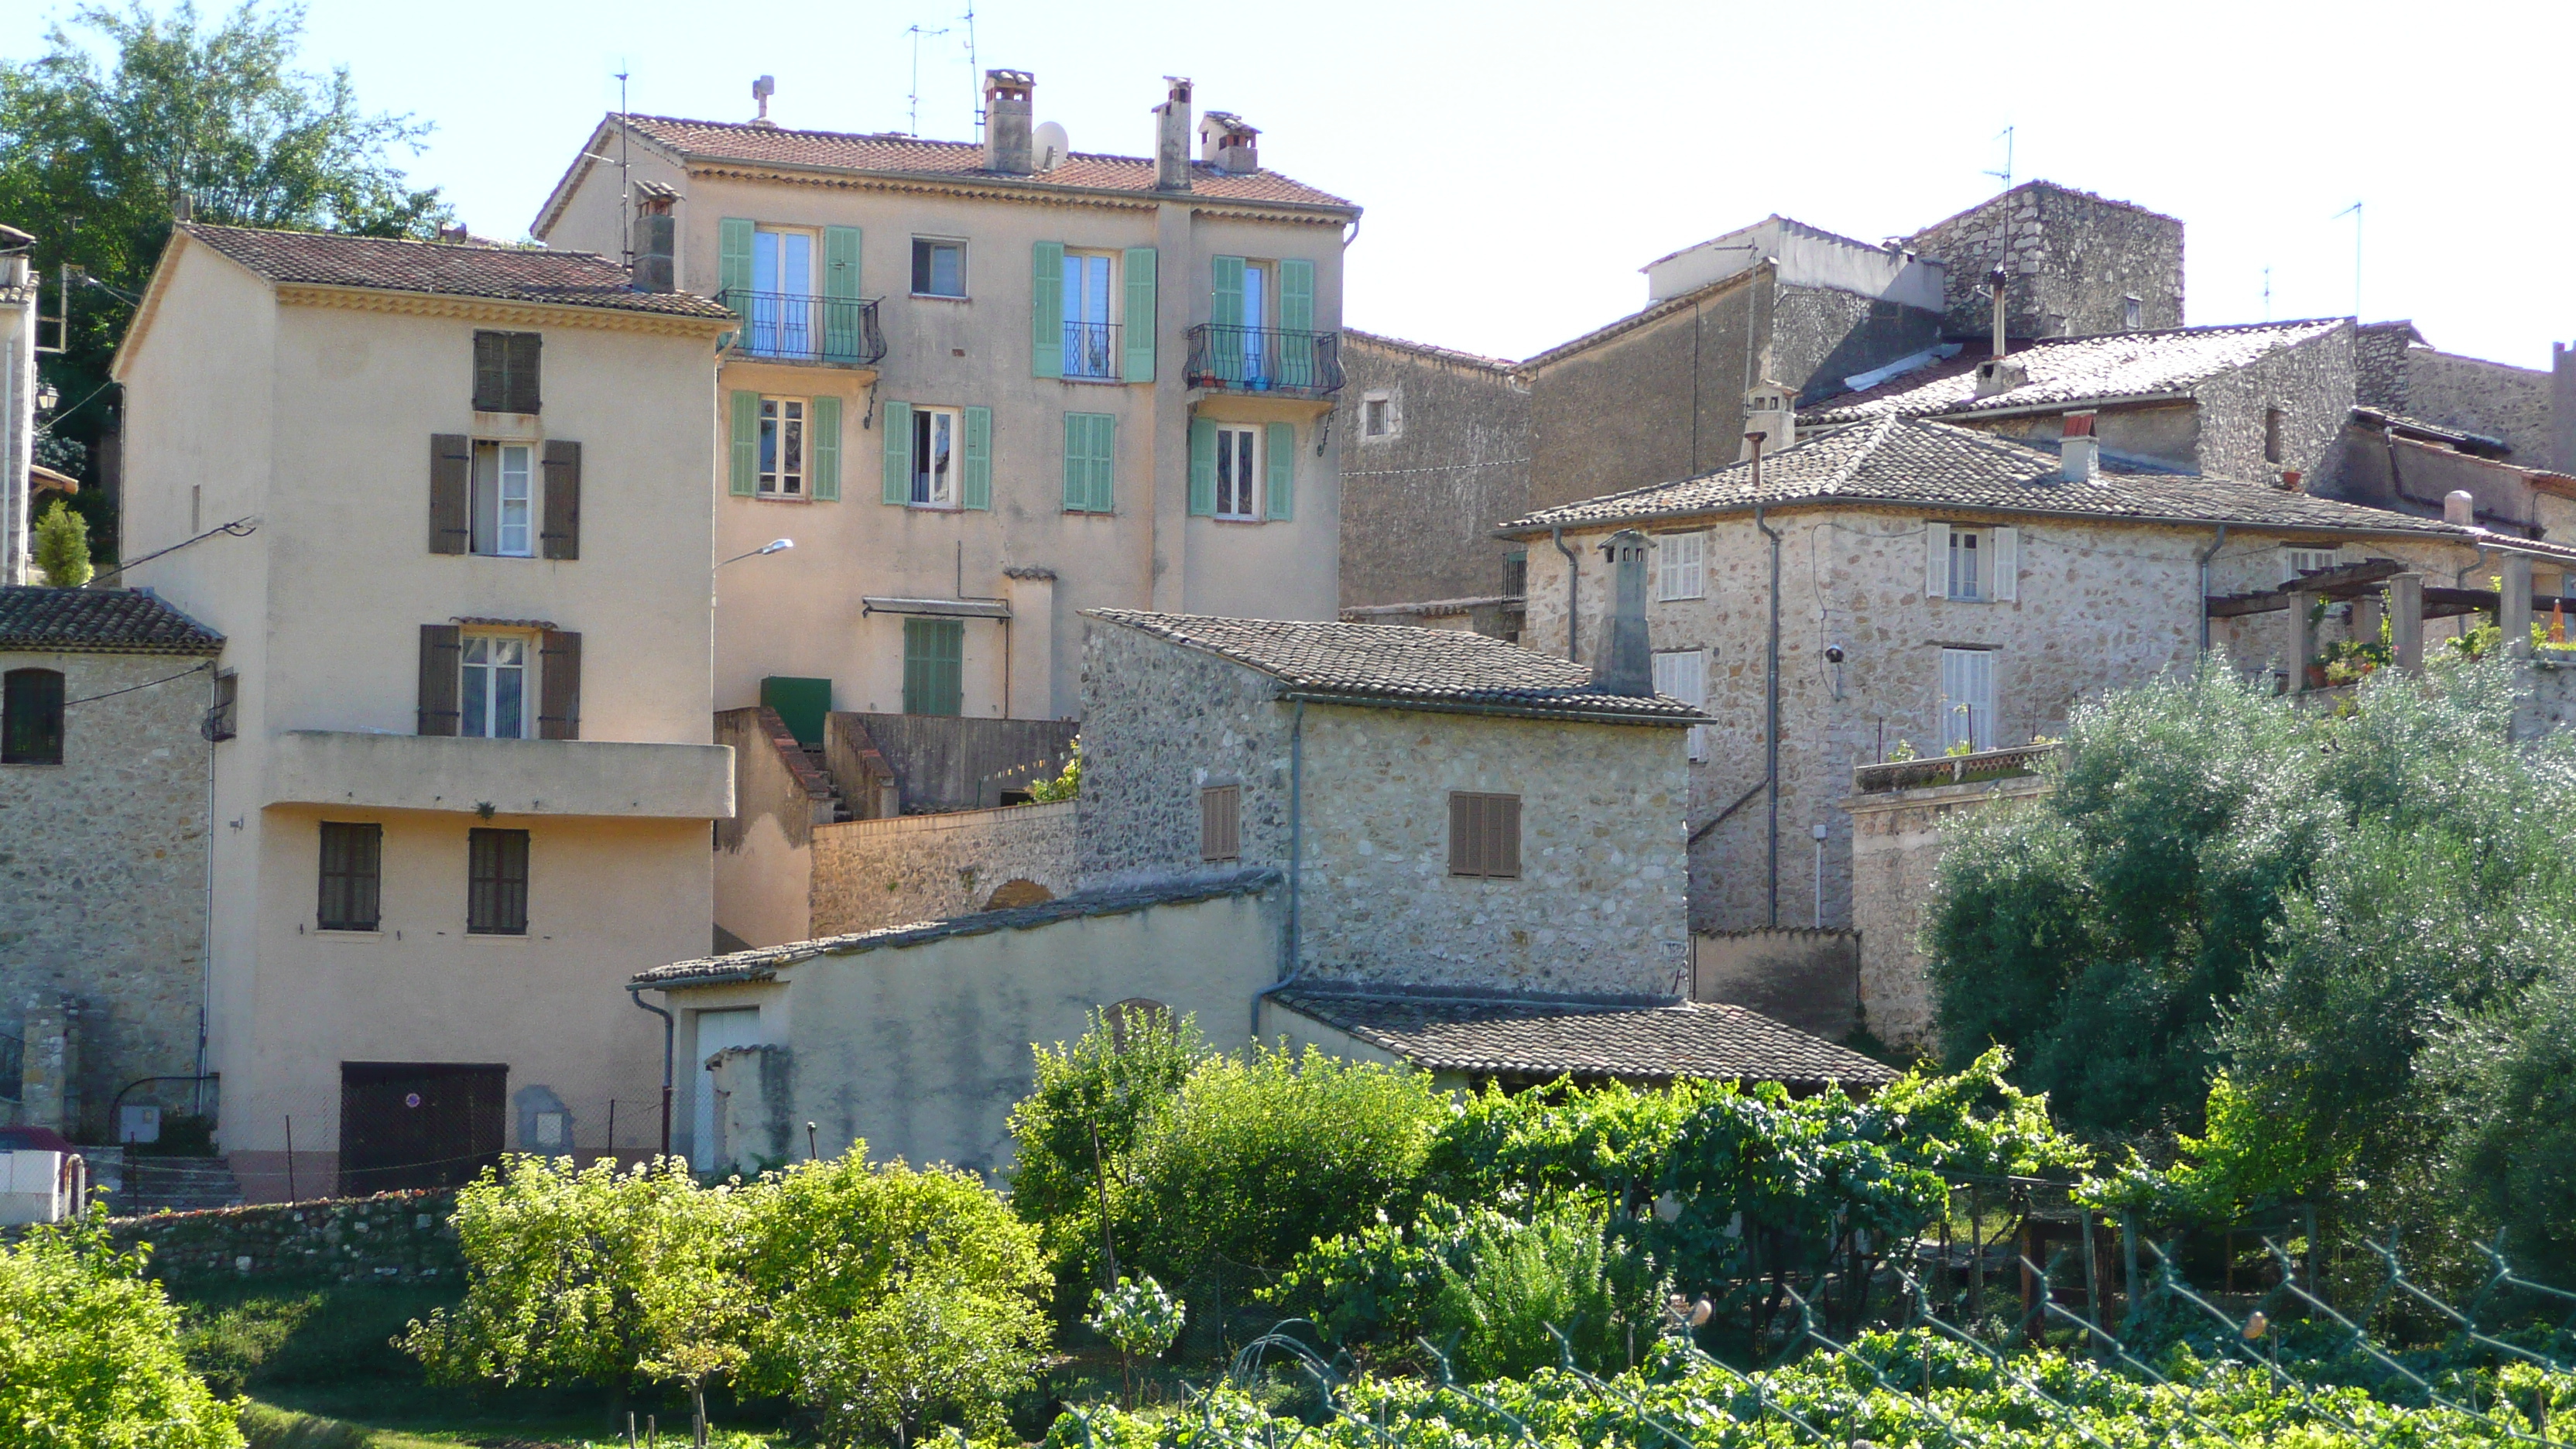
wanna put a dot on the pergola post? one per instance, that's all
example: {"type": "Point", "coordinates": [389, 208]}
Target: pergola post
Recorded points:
{"type": "Point", "coordinates": [2303, 639]}
{"type": "Point", "coordinates": [2513, 611]}
{"type": "Point", "coordinates": [2406, 620]}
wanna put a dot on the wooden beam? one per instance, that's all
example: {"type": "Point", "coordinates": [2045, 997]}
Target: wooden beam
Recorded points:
{"type": "Point", "coordinates": [2345, 576]}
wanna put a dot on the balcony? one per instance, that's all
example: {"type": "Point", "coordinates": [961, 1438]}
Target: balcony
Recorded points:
{"type": "Point", "coordinates": [610, 778]}
{"type": "Point", "coordinates": [786, 327]}
{"type": "Point", "coordinates": [1091, 351]}
{"type": "Point", "coordinates": [1265, 360]}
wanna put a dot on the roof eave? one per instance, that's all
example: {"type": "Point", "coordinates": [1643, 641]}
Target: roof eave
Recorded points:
{"type": "Point", "coordinates": [1031, 188]}
{"type": "Point", "coordinates": [1297, 695]}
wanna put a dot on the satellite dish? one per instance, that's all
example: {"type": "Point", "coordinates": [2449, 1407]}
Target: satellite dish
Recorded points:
{"type": "Point", "coordinates": [1048, 146]}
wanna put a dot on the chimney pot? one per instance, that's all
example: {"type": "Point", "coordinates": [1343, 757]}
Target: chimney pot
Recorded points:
{"type": "Point", "coordinates": [2460, 506]}
{"type": "Point", "coordinates": [2079, 459]}
{"type": "Point", "coordinates": [1770, 411]}
{"type": "Point", "coordinates": [656, 231]}
{"type": "Point", "coordinates": [1172, 136]}
{"type": "Point", "coordinates": [2290, 481]}
{"type": "Point", "coordinates": [1628, 665]}
{"type": "Point", "coordinates": [1229, 144]}
{"type": "Point", "coordinates": [1008, 117]}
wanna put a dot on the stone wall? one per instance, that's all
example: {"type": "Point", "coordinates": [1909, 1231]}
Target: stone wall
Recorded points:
{"type": "Point", "coordinates": [2312, 384]}
{"type": "Point", "coordinates": [1807, 979]}
{"type": "Point", "coordinates": [2562, 407]}
{"type": "Point", "coordinates": [2487, 398]}
{"type": "Point", "coordinates": [1420, 501]}
{"type": "Point", "coordinates": [396, 1237]}
{"type": "Point", "coordinates": [2379, 365]}
{"type": "Point", "coordinates": [2544, 698]}
{"type": "Point", "coordinates": [1817, 336]}
{"type": "Point", "coordinates": [2072, 258]}
{"type": "Point", "coordinates": [874, 873]}
{"type": "Point", "coordinates": [1896, 859]}
{"type": "Point", "coordinates": [103, 868]}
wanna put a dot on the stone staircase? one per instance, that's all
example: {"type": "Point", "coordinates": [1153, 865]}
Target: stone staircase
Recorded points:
{"type": "Point", "coordinates": [841, 808]}
{"type": "Point", "coordinates": [176, 1184]}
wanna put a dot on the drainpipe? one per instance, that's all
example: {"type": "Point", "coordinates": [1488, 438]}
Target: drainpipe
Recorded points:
{"type": "Point", "coordinates": [669, 1029]}
{"type": "Point", "coordinates": [1770, 690]}
{"type": "Point", "coordinates": [1296, 860]}
{"type": "Point", "coordinates": [1573, 575]}
{"type": "Point", "coordinates": [2205, 556]}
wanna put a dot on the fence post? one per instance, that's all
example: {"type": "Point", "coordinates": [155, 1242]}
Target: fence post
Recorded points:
{"type": "Point", "coordinates": [2129, 1251]}
{"type": "Point", "coordinates": [2092, 1280]}
{"type": "Point", "coordinates": [1976, 1253]}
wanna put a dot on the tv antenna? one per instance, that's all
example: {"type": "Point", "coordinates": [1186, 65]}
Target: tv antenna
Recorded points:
{"type": "Point", "coordinates": [2267, 294]}
{"type": "Point", "coordinates": [2005, 176]}
{"type": "Point", "coordinates": [917, 33]}
{"type": "Point", "coordinates": [2354, 211]}
{"type": "Point", "coordinates": [974, 69]}
{"type": "Point", "coordinates": [625, 178]}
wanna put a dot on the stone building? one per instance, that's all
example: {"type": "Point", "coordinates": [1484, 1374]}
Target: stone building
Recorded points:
{"type": "Point", "coordinates": [2506, 409]}
{"type": "Point", "coordinates": [109, 699]}
{"type": "Point", "coordinates": [2075, 264]}
{"type": "Point", "coordinates": [1419, 503]}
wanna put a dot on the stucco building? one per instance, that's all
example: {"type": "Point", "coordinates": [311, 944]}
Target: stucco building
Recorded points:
{"type": "Point", "coordinates": [448, 508]}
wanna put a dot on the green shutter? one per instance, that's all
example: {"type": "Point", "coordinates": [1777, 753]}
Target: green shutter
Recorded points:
{"type": "Point", "coordinates": [1279, 484]}
{"type": "Point", "coordinates": [1077, 462]}
{"type": "Point", "coordinates": [1202, 468]}
{"type": "Point", "coordinates": [1137, 329]}
{"type": "Point", "coordinates": [733, 260]}
{"type": "Point", "coordinates": [1229, 291]}
{"type": "Point", "coordinates": [1297, 323]}
{"type": "Point", "coordinates": [1046, 309]}
{"type": "Point", "coordinates": [898, 453]}
{"type": "Point", "coordinates": [975, 486]}
{"type": "Point", "coordinates": [823, 443]}
{"type": "Point", "coordinates": [934, 672]}
{"type": "Point", "coordinates": [746, 444]}
{"type": "Point", "coordinates": [1104, 463]}
{"type": "Point", "coordinates": [841, 331]}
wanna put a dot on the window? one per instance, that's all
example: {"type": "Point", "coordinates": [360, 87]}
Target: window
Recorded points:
{"type": "Point", "coordinates": [2272, 435]}
{"type": "Point", "coordinates": [501, 477]}
{"type": "Point", "coordinates": [936, 433]}
{"type": "Point", "coordinates": [496, 882]}
{"type": "Point", "coordinates": [938, 268]}
{"type": "Point", "coordinates": [494, 696]}
{"type": "Point", "coordinates": [352, 869]}
{"type": "Point", "coordinates": [934, 655]}
{"type": "Point", "coordinates": [1683, 674]}
{"type": "Point", "coordinates": [505, 371]}
{"type": "Point", "coordinates": [1090, 337]}
{"type": "Point", "coordinates": [1681, 565]}
{"type": "Point", "coordinates": [1238, 472]}
{"type": "Point", "coordinates": [1221, 822]}
{"type": "Point", "coordinates": [1484, 835]}
{"type": "Point", "coordinates": [1090, 462]}
{"type": "Point", "coordinates": [2129, 310]}
{"type": "Point", "coordinates": [1966, 575]}
{"type": "Point", "coordinates": [782, 284]}
{"type": "Point", "coordinates": [31, 717]}
{"type": "Point", "coordinates": [782, 447]}
{"type": "Point", "coordinates": [223, 718]}
{"type": "Point", "coordinates": [1980, 565]}
{"type": "Point", "coordinates": [2296, 561]}
{"type": "Point", "coordinates": [1378, 417]}
{"type": "Point", "coordinates": [1968, 698]}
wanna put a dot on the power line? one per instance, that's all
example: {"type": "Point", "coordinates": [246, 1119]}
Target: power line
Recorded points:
{"type": "Point", "coordinates": [129, 689]}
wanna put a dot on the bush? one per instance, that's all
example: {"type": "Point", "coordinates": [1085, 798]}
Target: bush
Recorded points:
{"type": "Point", "coordinates": [1106, 1084]}
{"type": "Point", "coordinates": [1526, 1282]}
{"type": "Point", "coordinates": [89, 1351]}
{"type": "Point", "coordinates": [62, 546]}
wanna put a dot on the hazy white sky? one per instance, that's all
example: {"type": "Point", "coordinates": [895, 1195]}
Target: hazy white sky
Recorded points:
{"type": "Point", "coordinates": [1519, 161]}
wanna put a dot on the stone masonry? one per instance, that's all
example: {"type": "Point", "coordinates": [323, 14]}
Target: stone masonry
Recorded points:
{"type": "Point", "coordinates": [1896, 859]}
{"type": "Point", "coordinates": [2072, 260]}
{"type": "Point", "coordinates": [1419, 502]}
{"type": "Point", "coordinates": [870, 874]}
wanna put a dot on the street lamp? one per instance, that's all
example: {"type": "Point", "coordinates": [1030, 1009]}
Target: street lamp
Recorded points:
{"type": "Point", "coordinates": [775, 545]}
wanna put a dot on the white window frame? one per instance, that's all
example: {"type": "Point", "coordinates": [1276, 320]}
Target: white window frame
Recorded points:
{"type": "Point", "coordinates": [1239, 451]}
{"type": "Point", "coordinates": [1967, 698]}
{"type": "Point", "coordinates": [783, 420]}
{"type": "Point", "coordinates": [2298, 558]}
{"type": "Point", "coordinates": [934, 486]}
{"type": "Point", "coordinates": [1971, 566]}
{"type": "Point", "coordinates": [504, 522]}
{"type": "Point", "coordinates": [1978, 564]}
{"type": "Point", "coordinates": [492, 653]}
{"type": "Point", "coordinates": [1260, 314]}
{"type": "Point", "coordinates": [783, 328]}
{"type": "Point", "coordinates": [1681, 566]}
{"type": "Point", "coordinates": [1384, 400]}
{"type": "Point", "coordinates": [1112, 301]}
{"type": "Point", "coordinates": [964, 288]}
{"type": "Point", "coordinates": [1683, 674]}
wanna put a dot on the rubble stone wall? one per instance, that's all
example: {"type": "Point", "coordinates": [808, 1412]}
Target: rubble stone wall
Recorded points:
{"type": "Point", "coordinates": [2477, 396]}
{"type": "Point", "coordinates": [870, 874]}
{"type": "Point", "coordinates": [2072, 259]}
{"type": "Point", "coordinates": [1896, 858]}
{"type": "Point", "coordinates": [395, 1237]}
{"type": "Point", "coordinates": [1420, 500]}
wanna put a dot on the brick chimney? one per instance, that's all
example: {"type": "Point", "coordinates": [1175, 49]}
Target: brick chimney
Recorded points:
{"type": "Point", "coordinates": [655, 241]}
{"type": "Point", "coordinates": [1172, 137]}
{"type": "Point", "coordinates": [1229, 144]}
{"type": "Point", "coordinates": [2079, 456]}
{"type": "Point", "coordinates": [1628, 665]}
{"type": "Point", "coordinates": [1007, 119]}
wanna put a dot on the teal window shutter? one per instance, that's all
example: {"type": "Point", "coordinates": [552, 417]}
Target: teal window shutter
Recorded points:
{"type": "Point", "coordinates": [1202, 468]}
{"type": "Point", "coordinates": [1279, 485]}
{"type": "Point", "coordinates": [733, 261]}
{"type": "Point", "coordinates": [823, 464]}
{"type": "Point", "coordinates": [1137, 328]}
{"type": "Point", "coordinates": [841, 330]}
{"type": "Point", "coordinates": [1297, 322]}
{"type": "Point", "coordinates": [975, 488]}
{"type": "Point", "coordinates": [746, 444]}
{"type": "Point", "coordinates": [1229, 291]}
{"type": "Point", "coordinates": [1046, 309]}
{"type": "Point", "coordinates": [934, 657]}
{"type": "Point", "coordinates": [1104, 463]}
{"type": "Point", "coordinates": [898, 453]}
{"type": "Point", "coordinates": [1077, 462]}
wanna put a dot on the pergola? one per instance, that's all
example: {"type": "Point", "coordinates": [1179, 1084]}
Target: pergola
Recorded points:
{"type": "Point", "coordinates": [2410, 603]}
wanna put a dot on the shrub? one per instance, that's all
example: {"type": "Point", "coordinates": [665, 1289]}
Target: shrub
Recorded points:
{"type": "Point", "coordinates": [1526, 1282]}
{"type": "Point", "coordinates": [89, 1351]}
{"type": "Point", "coordinates": [1107, 1083]}
{"type": "Point", "coordinates": [62, 546]}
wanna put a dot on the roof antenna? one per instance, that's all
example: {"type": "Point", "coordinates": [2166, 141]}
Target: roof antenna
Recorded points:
{"type": "Point", "coordinates": [2267, 294]}
{"type": "Point", "coordinates": [2005, 176]}
{"type": "Point", "coordinates": [974, 70]}
{"type": "Point", "coordinates": [625, 180]}
{"type": "Point", "coordinates": [916, 32]}
{"type": "Point", "coordinates": [2353, 211]}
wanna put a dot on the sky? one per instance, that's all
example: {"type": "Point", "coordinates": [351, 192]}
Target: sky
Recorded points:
{"type": "Point", "coordinates": [1518, 162]}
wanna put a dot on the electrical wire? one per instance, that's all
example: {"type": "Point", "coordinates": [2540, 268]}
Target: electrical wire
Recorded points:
{"type": "Point", "coordinates": [242, 527]}
{"type": "Point", "coordinates": [129, 689]}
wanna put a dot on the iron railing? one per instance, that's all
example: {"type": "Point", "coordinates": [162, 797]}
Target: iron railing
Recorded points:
{"type": "Point", "coordinates": [839, 330]}
{"type": "Point", "coordinates": [1265, 359]}
{"type": "Point", "coordinates": [1091, 351]}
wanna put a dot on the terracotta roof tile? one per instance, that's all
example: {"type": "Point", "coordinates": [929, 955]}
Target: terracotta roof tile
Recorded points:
{"type": "Point", "coordinates": [454, 269]}
{"type": "Point", "coordinates": [99, 621]}
{"type": "Point", "coordinates": [1539, 1037]}
{"type": "Point", "coordinates": [1397, 667]}
{"type": "Point", "coordinates": [2074, 370]}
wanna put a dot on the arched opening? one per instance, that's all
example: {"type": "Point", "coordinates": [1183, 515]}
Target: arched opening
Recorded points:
{"type": "Point", "coordinates": [1018, 892]}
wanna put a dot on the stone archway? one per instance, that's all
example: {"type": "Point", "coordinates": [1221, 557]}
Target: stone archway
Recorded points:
{"type": "Point", "coordinates": [1018, 892]}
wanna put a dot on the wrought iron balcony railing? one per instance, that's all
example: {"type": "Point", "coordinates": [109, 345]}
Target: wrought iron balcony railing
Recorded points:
{"type": "Point", "coordinates": [792, 328]}
{"type": "Point", "coordinates": [1091, 351]}
{"type": "Point", "coordinates": [1265, 359]}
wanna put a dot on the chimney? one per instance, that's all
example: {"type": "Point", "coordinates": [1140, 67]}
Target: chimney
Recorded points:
{"type": "Point", "coordinates": [761, 90]}
{"type": "Point", "coordinates": [2562, 407]}
{"type": "Point", "coordinates": [1770, 411]}
{"type": "Point", "coordinates": [2460, 506]}
{"type": "Point", "coordinates": [1007, 118]}
{"type": "Point", "coordinates": [1230, 145]}
{"type": "Point", "coordinates": [1995, 282]}
{"type": "Point", "coordinates": [1627, 666]}
{"type": "Point", "coordinates": [1172, 137]}
{"type": "Point", "coordinates": [655, 242]}
{"type": "Point", "coordinates": [2079, 457]}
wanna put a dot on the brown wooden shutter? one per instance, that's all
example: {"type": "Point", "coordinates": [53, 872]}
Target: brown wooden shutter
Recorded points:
{"type": "Point", "coordinates": [1504, 820]}
{"type": "Point", "coordinates": [1484, 835]}
{"type": "Point", "coordinates": [451, 464]}
{"type": "Point", "coordinates": [1462, 834]}
{"type": "Point", "coordinates": [524, 350]}
{"type": "Point", "coordinates": [559, 685]}
{"type": "Point", "coordinates": [491, 372]}
{"type": "Point", "coordinates": [440, 659]}
{"type": "Point", "coordinates": [561, 536]}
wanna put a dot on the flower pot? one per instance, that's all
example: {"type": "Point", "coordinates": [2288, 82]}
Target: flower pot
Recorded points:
{"type": "Point", "coordinates": [2316, 676]}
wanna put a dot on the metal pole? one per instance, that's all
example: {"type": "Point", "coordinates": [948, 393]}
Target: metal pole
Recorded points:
{"type": "Point", "coordinates": [291, 1194]}
{"type": "Point", "coordinates": [2129, 1250]}
{"type": "Point", "coordinates": [1976, 1251]}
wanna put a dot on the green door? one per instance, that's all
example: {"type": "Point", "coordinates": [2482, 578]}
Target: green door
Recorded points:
{"type": "Point", "coordinates": [934, 657]}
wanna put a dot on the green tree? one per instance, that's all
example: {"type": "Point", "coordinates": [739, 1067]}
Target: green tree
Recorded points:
{"type": "Point", "coordinates": [62, 547]}
{"type": "Point", "coordinates": [89, 1351]}
{"type": "Point", "coordinates": [1083, 1113]}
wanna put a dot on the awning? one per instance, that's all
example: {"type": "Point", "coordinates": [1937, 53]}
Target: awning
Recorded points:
{"type": "Point", "coordinates": [940, 608]}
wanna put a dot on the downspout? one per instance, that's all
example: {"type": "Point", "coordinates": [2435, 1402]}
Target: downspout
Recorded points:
{"type": "Point", "coordinates": [669, 1029]}
{"type": "Point", "coordinates": [206, 938]}
{"type": "Point", "coordinates": [2205, 556]}
{"type": "Point", "coordinates": [1573, 576]}
{"type": "Point", "coordinates": [2460, 580]}
{"type": "Point", "coordinates": [1771, 694]}
{"type": "Point", "coordinates": [1296, 861]}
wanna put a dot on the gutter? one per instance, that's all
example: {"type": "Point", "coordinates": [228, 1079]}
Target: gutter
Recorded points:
{"type": "Point", "coordinates": [1573, 576]}
{"type": "Point", "coordinates": [2204, 557]}
{"type": "Point", "coordinates": [1296, 863]}
{"type": "Point", "coordinates": [1771, 692]}
{"type": "Point", "coordinates": [670, 1028]}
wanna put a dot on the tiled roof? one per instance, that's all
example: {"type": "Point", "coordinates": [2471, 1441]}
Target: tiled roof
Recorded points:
{"type": "Point", "coordinates": [2073, 370]}
{"type": "Point", "coordinates": [1938, 465]}
{"type": "Point", "coordinates": [99, 621]}
{"type": "Point", "coordinates": [764, 962]}
{"type": "Point", "coordinates": [1524, 1036]}
{"type": "Point", "coordinates": [1443, 354]}
{"type": "Point", "coordinates": [912, 156]}
{"type": "Point", "coordinates": [1399, 668]}
{"type": "Point", "coordinates": [452, 269]}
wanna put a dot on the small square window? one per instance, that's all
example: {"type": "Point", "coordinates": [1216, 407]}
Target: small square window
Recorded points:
{"type": "Point", "coordinates": [1221, 822]}
{"type": "Point", "coordinates": [32, 733]}
{"type": "Point", "coordinates": [1681, 566]}
{"type": "Point", "coordinates": [2300, 561]}
{"type": "Point", "coordinates": [1380, 417]}
{"type": "Point", "coordinates": [2130, 310]}
{"type": "Point", "coordinates": [496, 889]}
{"type": "Point", "coordinates": [2272, 445]}
{"type": "Point", "coordinates": [1484, 835]}
{"type": "Point", "coordinates": [352, 876]}
{"type": "Point", "coordinates": [505, 371]}
{"type": "Point", "coordinates": [938, 268]}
